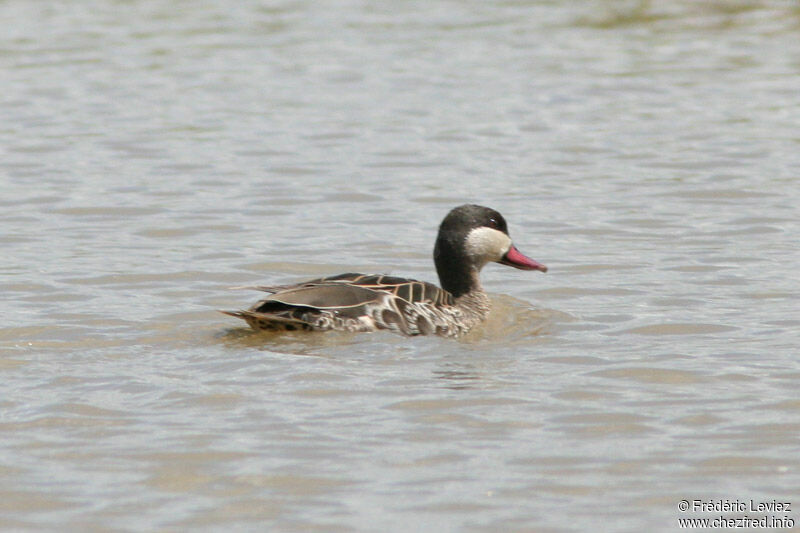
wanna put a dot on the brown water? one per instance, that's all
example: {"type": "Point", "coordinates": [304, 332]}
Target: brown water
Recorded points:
{"type": "Point", "coordinates": [155, 154]}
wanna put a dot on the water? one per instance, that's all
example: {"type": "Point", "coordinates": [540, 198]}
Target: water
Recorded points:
{"type": "Point", "coordinates": [155, 154]}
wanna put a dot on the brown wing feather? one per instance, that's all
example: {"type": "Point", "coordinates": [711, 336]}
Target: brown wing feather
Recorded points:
{"type": "Point", "coordinates": [411, 290]}
{"type": "Point", "coordinates": [338, 297]}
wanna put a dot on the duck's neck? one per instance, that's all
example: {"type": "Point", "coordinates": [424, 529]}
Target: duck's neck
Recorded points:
{"type": "Point", "coordinates": [456, 274]}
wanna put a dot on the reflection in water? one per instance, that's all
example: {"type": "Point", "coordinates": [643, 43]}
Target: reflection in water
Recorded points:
{"type": "Point", "coordinates": [287, 342]}
{"type": "Point", "coordinates": [457, 379]}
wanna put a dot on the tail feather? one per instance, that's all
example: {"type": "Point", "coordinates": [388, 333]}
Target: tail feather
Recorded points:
{"type": "Point", "coordinates": [269, 321]}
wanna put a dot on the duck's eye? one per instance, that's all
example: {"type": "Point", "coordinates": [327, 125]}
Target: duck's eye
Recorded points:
{"type": "Point", "coordinates": [493, 223]}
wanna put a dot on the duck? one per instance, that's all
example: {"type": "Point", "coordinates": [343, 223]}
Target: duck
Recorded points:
{"type": "Point", "coordinates": [470, 236]}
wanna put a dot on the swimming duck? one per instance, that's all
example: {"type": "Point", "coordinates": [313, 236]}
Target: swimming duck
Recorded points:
{"type": "Point", "coordinates": [469, 237]}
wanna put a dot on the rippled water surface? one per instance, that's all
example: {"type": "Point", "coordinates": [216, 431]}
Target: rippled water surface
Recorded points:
{"type": "Point", "coordinates": [155, 154]}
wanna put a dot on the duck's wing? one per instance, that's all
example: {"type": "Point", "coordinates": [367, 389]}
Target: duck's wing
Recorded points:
{"type": "Point", "coordinates": [347, 299]}
{"type": "Point", "coordinates": [410, 290]}
{"type": "Point", "coordinates": [317, 307]}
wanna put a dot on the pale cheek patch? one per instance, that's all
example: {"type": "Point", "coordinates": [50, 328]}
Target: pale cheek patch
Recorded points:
{"type": "Point", "coordinates": [487, 244]}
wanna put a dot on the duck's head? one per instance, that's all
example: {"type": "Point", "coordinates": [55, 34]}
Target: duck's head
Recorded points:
{"type": "Point", "coordinates": [469, 237]}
